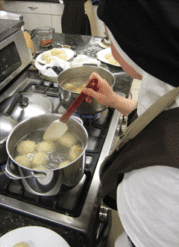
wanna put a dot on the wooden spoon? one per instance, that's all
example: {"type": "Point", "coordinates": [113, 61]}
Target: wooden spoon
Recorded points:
{"type": "Point", "coordinates": [59, 127]}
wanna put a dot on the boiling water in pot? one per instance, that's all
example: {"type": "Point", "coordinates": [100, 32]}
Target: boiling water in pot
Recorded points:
{"type": "Point", "coordinates": [75, 84]}
{"type": "Point", "coordinates": [34, 153]}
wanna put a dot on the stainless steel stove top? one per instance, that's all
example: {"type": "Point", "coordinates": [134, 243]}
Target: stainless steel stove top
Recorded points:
{"type": "Point", "coordinates": [81, 207]}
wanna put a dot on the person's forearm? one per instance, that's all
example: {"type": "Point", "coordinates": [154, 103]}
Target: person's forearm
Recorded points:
{"type": "Point", "coordinates": [122, 104]}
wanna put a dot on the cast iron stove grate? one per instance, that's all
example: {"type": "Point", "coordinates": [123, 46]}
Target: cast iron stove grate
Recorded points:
{"type": "Point", "coordinates": [71, 202]}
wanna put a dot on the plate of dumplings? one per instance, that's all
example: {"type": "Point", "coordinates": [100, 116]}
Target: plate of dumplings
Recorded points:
{"type": "Point", "coordinates": [32, 236]}
{"type": "Point", "coordinates": [51, 63]}
{"type": "Point", "coordinates": [55, 54]}
{"type": "Point", "coordinates": [106, 56]}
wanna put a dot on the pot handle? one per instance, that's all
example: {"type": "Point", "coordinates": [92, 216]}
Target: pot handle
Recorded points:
{"type": "Point", "coordinates": [77, 119]}
{"type": "Point", "coordinates": [90, 64]}
{"type": "Point", "coordinates": [104, 66]}
{"type": "Point", "coordinates": [13, 176]}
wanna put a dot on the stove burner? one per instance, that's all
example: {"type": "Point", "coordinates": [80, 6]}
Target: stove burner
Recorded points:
{"type": "Point", "coordinates": [48, 88]}
{"type": "Point", "coordinates": [90, 117]}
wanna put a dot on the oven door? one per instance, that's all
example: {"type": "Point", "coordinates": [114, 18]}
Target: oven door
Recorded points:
{"type": "Point", "coordinates": [14, 57]}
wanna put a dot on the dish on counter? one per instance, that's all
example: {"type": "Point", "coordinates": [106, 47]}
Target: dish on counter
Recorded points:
{"type": "Point", "coordinates": [55, 54]}
{"type": "Point", "coordinates": [45, 36]}
{"type": "Point", "coordinates": [33, 236]}
{"type": "Point", "coordinates": [51, 63]}
{"type": "Point", "coordinates": [106, 57]}
{"type": "Point", "coordinates": [21, 244]}
{"type": "Point", "coordinates": [53, 69]}
{"type": "Point", "coordinates": [83, 59]}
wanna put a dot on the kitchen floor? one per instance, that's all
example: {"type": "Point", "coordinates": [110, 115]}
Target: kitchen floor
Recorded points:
{"type": "Point", "coordinates": [116, 228]}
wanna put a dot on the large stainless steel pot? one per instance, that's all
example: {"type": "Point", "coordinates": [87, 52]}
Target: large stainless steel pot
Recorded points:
{"type": "Point", "coordinates": [67, 97]}
{"type": "Point", "coordinates": [7, 123]}
{"type": "Point", "coordinates": [48, 182]}
{"type": "Point", "coordinates": [17, 108]}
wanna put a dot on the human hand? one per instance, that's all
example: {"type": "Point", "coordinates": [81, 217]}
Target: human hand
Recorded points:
{"type": "Point", "coordinates": [104, 95]}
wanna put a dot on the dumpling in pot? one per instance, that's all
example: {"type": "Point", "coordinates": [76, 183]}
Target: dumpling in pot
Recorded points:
{"type": "Point", "coordinates": [46, 147]}
{"type": "Point", "coordinates": [64, 163]}
{"type": "Point", "coordinates": [67, 140]}
{"type": "Point", "coordinates": [23, 160]}
{"type": "Point", "coordinates": [69, 86]}
{"type": "Point", "coordinates": [78, 90]}
{"type": "Point", "coordinates": [21, 244]}
{"type": "Point", "coordinates": [39, 159]}
{"type": "Point", "coordinates": [75, 152]}
{"type": "Point", "coordinates": [25, 147]}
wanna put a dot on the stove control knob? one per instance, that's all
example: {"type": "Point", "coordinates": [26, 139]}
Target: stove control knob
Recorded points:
{"type": "Point", "coordinates": [103, 213]}
{"type": "Point", "coordinates": [118, 128]}
{"type": "Point", "coordinates": [23, 102]}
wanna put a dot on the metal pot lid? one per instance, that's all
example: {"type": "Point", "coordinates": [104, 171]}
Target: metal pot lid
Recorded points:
{"type": "Point", "coordinates": [7, 123]}
{"type": "Point", "coordinates": [26, 105]}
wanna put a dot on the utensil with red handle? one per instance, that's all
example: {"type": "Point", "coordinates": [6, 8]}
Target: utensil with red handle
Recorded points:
{"type": "Point", "coordinates": [59, 127]}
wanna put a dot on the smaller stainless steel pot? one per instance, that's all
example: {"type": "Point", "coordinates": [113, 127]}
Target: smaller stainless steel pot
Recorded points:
{"type": "Point", "coordinates": [48, 182]}
{"type": "Point", "coordinates": [67, 97]}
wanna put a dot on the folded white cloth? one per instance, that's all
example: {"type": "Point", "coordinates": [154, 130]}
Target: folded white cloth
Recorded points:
{"type": "Point", "coordinates": [83, 59]}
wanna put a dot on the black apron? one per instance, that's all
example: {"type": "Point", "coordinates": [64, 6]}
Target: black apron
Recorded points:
{"type": "Point", "coordinates": [74, 20]}
{"type": "Point", "coordinates": [156, 145]}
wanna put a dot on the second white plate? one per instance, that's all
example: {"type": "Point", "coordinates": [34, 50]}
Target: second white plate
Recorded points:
{"type": "Point", "coordinates": [47, 70]}
{"type": "Point", "coordinates": [34, 236]}
{"type": "Point", "coordinates": [101, 56]}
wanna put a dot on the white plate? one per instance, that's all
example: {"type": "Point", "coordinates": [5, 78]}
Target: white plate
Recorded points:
{"type": "Point", "coordinates": [70, 53]}
{"type": "Point", "coordinates": [101, 56]}
{"type": "Point", "coordinates": [50, 73]}
{"type": "Point", "coordinates": [34, 236]}
{"type": "Point", "coordinates": [83, 59]}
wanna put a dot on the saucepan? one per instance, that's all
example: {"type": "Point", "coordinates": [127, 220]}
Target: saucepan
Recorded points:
{"type": "Point", "coordinates": [67, 96]}
{"type": "Point", "coordinates": [50, 181]}
{"type": "Point", "coordinates": [7, 123]}
{"type": "Point", "coordinates": [15, 109]}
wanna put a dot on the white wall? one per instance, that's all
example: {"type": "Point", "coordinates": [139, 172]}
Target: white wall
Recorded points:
{"type": "Point", "coordinates": [38, 14]}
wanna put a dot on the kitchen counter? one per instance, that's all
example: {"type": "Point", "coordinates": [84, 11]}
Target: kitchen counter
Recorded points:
{"type": "Point", "coordinates": [88, 45]}
{"type": "Point", "coordinates": [11, 220]}
{"type": "Point", "coordinates": [14, 219]}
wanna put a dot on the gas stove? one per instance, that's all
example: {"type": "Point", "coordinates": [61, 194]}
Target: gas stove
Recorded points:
{"type": "Point", "coordinates": [79, 209]}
